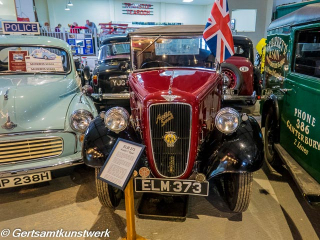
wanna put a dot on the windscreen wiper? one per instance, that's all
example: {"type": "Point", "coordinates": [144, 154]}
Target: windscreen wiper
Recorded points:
{"type": "Point", "coordinates": [149, 45]}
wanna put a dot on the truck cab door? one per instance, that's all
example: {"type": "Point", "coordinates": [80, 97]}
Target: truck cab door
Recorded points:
{"type": "Point", "coordinates": [300, 115]}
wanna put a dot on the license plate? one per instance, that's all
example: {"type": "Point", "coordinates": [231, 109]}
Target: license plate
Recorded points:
{"type": "Point", "coordinates": [25, 179]}
{"type": "Point", "coordinates": [172, 186]}
{"type": "Point", "coordinates": [117, 82]}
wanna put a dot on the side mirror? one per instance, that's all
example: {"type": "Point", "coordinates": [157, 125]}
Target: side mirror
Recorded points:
{"type": "Point", "coordinates": [86, 73]}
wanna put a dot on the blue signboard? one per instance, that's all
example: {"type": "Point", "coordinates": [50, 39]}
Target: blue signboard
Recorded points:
{"type": "Point", "coordinates": [20, 28]}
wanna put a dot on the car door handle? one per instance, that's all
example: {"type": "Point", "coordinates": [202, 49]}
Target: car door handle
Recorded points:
{"type": "Point", "coordinates": [285, 90]}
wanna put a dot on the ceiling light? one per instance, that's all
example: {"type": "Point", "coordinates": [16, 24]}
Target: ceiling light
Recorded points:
{"type": "Point", "coordinates": [70, 3]}
{"type": "Point", "coordinates": [187, 1]}
{"type": "Point", "coordinates": [67, 8]}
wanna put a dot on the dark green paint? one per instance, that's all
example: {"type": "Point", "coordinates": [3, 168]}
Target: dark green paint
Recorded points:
{"type": "Point", "coordinates": [304, 95]}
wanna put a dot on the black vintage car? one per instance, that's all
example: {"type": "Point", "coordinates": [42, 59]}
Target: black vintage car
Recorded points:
{"type": "Point", "coordinates": [109, 79]}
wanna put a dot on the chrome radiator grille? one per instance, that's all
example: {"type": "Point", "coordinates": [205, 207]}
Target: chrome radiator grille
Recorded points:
{"type": "Point", "coordinates": [30, 149]}
{"type": "Point", "coordinates": [174, 118]}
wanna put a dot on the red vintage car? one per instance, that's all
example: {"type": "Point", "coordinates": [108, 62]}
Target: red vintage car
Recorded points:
{"type": "Point", "coordinates": [175, 98]}
{"type": "Point", "coordinates": [242, 81]}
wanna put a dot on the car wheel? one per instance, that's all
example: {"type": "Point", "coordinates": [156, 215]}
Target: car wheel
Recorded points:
{"type": "Point", "coordinates": [271, 155]}
{"type": "Point", "coordinates": [232, 76]}
{"type": "Point", "coordinates": [109, 196]}
{"type": "Point", "coordinates": [238, 188]}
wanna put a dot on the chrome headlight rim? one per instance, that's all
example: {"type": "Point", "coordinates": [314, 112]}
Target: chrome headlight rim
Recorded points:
{"type": "Point", "coordinates": [117, 112]}
{"type": "Point", "coordinates": [80, 113]}
{"type": "Point", "coordinates": [227, 110]}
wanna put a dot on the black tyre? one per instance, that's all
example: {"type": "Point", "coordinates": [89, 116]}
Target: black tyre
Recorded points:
{"type": "Point", "coordinates": [109, 196]}
{"type": "Point", "coordinates": [233, 78]}
{"type": "Point", "coordinates": [270, 138]}
{"type": "Point", "coordinates": [238, 188]}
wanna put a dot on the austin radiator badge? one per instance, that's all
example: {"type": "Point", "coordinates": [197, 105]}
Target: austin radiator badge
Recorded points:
{"type": "Point", "coordinates": [165, 118]}
{"type": "Point", "coordinates": [170, 138]}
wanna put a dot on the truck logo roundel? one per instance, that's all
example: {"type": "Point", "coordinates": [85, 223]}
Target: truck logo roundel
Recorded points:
{"type": "Point", "coordinates": [170, 138]}
{"type": "Point", "coordinates": [244, 69]}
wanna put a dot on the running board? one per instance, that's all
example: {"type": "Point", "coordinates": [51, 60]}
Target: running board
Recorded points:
{"type": "Point", "coordinates": [309, 187]}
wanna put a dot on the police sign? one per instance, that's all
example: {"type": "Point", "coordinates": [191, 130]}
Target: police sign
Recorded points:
{"type": "Point", "coordinates": [20, 28]}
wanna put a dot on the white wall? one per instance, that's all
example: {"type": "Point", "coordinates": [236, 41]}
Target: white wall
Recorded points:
{"type": "Point", "coordinates": [7, 11]}
{"type": "Point", "coordinates": [42, 11]}
{"type": "Point", "coordinates": [25, 9]}
{"type": "Point", "coordinates": [97, 11]}
{"type": "Point", "coordinates": [186, 14]}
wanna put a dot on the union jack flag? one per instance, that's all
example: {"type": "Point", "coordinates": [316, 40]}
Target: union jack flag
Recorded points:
{"type": "Point", "coordinates": [217, 32]}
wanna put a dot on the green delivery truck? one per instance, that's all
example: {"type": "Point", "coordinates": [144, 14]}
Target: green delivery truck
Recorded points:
{"type": "Point", "coordinates": [291, 97]}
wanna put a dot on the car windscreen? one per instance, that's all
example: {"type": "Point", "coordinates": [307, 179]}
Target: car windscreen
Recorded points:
{"type": "Point", "coordinates": [115, 50]}
{"type": "Point", "coordinates": [161, 51]}
{"type": "Point", "coordinates": [33, 59]}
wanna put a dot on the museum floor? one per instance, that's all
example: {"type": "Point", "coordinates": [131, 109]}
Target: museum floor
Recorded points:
{"type": "Point", "coordinates": [277, 211]}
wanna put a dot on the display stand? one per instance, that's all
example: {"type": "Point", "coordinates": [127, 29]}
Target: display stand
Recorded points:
{"type": "Point", "coordinates": [129, 202]}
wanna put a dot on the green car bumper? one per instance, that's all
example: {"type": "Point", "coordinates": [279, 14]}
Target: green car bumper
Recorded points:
{"type": "Point", "coordinates": [16, 169]}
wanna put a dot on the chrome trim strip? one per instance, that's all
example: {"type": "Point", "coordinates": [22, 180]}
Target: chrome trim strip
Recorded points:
{"type": "Point", "coordinates": [40, 169]}
{"type": "Point", "coordinates": [190, 131]}
{"type": "Point", "coordinates": [111, 96]}
{"type": "Point", "coordinates": [163, 68]}
{"type": "Point", "coordinates": [237, 97]}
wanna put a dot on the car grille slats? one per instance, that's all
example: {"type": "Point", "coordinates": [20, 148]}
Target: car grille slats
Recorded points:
{"type": "Point", "coordinates": [30, 149]}
{"type": "Point", "coordinates": [171, 161]}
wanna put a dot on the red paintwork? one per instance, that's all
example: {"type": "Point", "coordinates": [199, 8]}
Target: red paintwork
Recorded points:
{"type": "Point", "coordinates": [247, 87]}
{"type": "Point", "coordinates": [199, 88]}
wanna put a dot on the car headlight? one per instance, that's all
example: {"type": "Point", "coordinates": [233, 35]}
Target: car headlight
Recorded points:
{"type": "Point", "coordinates": [227, 120]}
{"type": "Point", "coordinates": [80, 120]}
{"type": "Point", "coordinates": [116, 119]}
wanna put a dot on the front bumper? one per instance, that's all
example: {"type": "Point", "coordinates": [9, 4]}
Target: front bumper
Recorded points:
{"type": "Point", "coordinates": [16, 169]}
{"type": "Point", "coordinates": [231, 97]}
{"type": "Point", "coordinates": [114, 96]}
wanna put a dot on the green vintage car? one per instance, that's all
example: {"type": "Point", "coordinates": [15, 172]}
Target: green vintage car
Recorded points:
{"type": "Point", "coordinates": [43, 112]}
{"type": "Point", "coordinates": [290, 111]}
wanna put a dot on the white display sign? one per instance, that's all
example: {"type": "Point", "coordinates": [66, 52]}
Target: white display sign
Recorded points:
{"type": "Point", "coordinates": [42, 60]}
{"type": "Point", "coordinates": [121, 162]}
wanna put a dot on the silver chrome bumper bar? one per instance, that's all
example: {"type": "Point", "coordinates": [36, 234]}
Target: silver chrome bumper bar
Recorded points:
{"type": "Point", "coordinates": [228, 97]}
{"type": "Point", "coordinates": [111, 96]}
{"type": "Point", "coordinates": [17, 169]}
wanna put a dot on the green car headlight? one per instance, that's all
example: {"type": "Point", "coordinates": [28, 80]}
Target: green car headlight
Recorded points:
{"type": "Point", "coordinates": [80, 120]}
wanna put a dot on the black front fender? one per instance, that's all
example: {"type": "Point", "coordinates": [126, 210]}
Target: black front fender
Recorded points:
{"type": "Point", "coordinates": [240, 152]}
{"type": "Point", "coordinates": [99, 141]}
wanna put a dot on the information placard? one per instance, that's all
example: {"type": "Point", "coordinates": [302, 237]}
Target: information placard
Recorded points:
{"type": "Point", "coordinates": [121, 162]}
{"type": "Point", "coordinates": [17, 61]}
